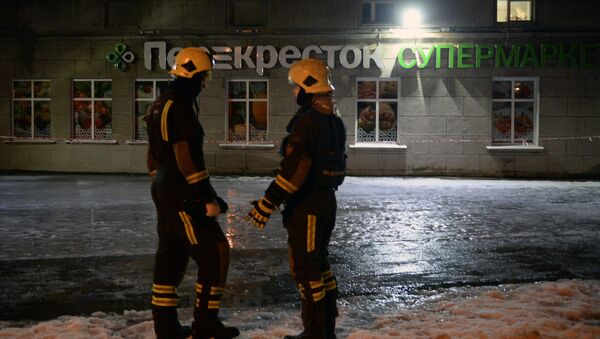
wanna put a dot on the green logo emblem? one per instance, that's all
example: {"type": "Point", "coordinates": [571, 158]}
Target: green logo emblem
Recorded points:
{"type": "Point", "coordinates": [120, 57]}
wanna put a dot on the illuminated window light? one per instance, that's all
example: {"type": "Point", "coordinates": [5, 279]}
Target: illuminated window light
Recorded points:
{"type": "Point", "coordinates": [411, 18]}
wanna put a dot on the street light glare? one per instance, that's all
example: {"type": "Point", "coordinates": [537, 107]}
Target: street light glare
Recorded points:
{"type": "Point", "coordinates": [411, 18]}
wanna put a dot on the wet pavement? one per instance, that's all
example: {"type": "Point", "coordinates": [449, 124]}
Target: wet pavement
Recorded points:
{"type": "Point", "coordinates": [75, 244]}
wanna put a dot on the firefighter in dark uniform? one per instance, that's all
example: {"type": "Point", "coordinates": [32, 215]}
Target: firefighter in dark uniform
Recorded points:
{"type": "Point", "coordinates": [312, 168]}
{"type": "Point", "coordinates": [186, 204]}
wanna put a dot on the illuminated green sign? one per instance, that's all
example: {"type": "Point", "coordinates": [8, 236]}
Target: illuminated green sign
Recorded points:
{"type": "Point", "coordinates": [514, 56]}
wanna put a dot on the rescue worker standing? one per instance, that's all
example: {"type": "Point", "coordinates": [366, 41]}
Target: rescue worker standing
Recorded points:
{"type": "Point", "coordinates": [186, 204]}
{"type": "Point", "coordinates": [312, 168]}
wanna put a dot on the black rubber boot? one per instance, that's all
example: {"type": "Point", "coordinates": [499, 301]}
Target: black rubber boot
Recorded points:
{"type": "Point", "coordinates": [313, 317]}
{"type": "Point", "coordinates": [212, 327]}
{"type": "Point", "coordinates": [331, 312]}
{"type": "Point", "coordinates": [167, 326]}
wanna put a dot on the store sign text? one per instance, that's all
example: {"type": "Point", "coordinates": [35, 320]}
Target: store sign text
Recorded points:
{"type": "Point", "coordinates": [266, 57]}
{"type": "Point", "coordinates": [513, 56]}
{"type": "Point", "coordinates": [350, 57]}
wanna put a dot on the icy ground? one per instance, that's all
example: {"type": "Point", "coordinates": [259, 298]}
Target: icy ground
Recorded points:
{"type": "Point", "coordinates": [415, 257]}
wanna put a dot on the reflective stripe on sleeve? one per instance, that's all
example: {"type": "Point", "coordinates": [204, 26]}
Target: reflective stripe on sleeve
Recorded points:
{"type": "Point", "coordinates": [197, 177]}
{"type": "Point", "coordinates": [163, 120]}
{"type": "Point", "coordinates": [285, 185]}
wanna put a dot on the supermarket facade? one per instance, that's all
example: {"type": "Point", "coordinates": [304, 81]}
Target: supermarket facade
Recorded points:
{"type": "Point", "coordinates": [462, 88]}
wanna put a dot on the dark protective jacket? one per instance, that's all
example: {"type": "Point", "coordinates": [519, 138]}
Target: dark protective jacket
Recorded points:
{"type": "Point", "coordinates": [175, 148]}
{"type": "Point", "coordinates": [313, 154]}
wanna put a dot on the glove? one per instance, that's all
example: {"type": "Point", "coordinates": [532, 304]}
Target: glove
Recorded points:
{"type": "Point", "coordinates": [261, 212]}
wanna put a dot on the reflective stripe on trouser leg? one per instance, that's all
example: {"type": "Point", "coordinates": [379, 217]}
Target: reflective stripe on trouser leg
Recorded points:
{"type": "Point", "coordinates": [311, 233]}
{"type": "Point", "coordinates": [208, 299]}
{"type": "Point", "coordinates": [329, 281]}
{"type": "Point", "coordinates": [313, 291]}
{"type": "Point", "coordinates": [188, 226]}
{"type": "Point", "coordinates": [164, 296]}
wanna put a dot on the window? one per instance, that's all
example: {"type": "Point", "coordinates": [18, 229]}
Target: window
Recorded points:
{"type": "Point", "coordinates": [379, 12]}
{"type": "Point", "coordinates": [31, 108]}
{"type": "Point", "coordinates": [146, 91]}
{"type": "Point", "coordinates": [515, 111]}
{"type": "Point", "coordinates": [92, 109]}
{"type": "Point", "coordinates": [514, 10]}
{"type": "Point", "coordinates": [247, 107]}
{"type": "Point", "coordinates": [377, 110]}
{"type": "Point", "coordinates": [248, 13]}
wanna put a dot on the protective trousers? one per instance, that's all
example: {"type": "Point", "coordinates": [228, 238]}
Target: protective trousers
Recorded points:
{"type": "Point", "coordinates": [181, 237]}
{"type": "Point", "coordinates": [309, 231]}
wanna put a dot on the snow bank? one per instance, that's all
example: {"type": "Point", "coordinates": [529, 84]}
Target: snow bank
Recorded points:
{"type": "Point", "coordinates": [564, 309]}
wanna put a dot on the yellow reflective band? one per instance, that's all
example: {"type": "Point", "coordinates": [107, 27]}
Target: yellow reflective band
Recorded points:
{"type": "Point", "coordinates": [197, 302]}
{"type": "Point", "coordinates": [332, 285]}
{"type": "Point", "coordinates": [286, 185]}
{"type": "Point", "coordinates": [214, 304]}
{"type": "Point", "coordinates": [189, 230]}
{"type": "Point", "coordinates": [263, 207]}
{"type": "Point", "coordinates": [165, 302]}
{"type": "Point", "coordinates": [216, 290]}
{"type": "Point", "coordinates": [315, 284]}
{"type": "Point", "coordinates": [197, 177]}
{"type": "Point", "coordinates": [258, 217]}
{"type": "Point", "coordinates": [198, 288]}
{"type": "Point", "coordinates": [153, 173]}
{"type": "Point", "coordinates": [318, 295]}
{"type": "Point", "coordinates": [163, 120]}
{"type": "Point", "coordinates": [310, 233]}
{"type": "Point", "coordinates": [327, 274]}
{"type": "Point", "coordinates": [163, 289]}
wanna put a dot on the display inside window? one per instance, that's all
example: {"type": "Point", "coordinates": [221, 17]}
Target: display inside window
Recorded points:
{"type": "Point", "coordinates": [31, 109]}
{"type": "Point", "coordinates": [377, 111]}
{"type": "Point", "coordinates": [92, 109]}
{"type": "Point", "coordinates": [514, 10]}
{"type": "Point", "coordinates": [513, 111]}
{"type": "Point", "coordinates": [146, 92]}
{"type": "Point", "coordinates": [247, 107]}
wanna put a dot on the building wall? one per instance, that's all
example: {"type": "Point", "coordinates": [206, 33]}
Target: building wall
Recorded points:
{"type": "Point", "coordinates": [444, 114]}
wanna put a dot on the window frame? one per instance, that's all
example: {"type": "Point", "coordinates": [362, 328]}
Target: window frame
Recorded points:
{"type": "Point", "coordinates": [536, 109]}
{"type": "Point", "coordinates": [93, 99]}
{"type": "Point", "coordinates": [515, 22]}
{"type": "Point", "coordinates": [136, 100]}
{"type": "Point", "coordinates": [373, 21]}
{"type": "Point", "coordinates": [247, 100]}
{"type": "Point", "coordinates": [32, 99]}
{"type": "Point", "coordinates": [230, 16]}
{"type": "Point", "coordinates": [377, 100]}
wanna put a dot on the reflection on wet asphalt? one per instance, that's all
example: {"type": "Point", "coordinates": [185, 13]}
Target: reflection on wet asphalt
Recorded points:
{"type": "Point", "coordinates": [72, 244]}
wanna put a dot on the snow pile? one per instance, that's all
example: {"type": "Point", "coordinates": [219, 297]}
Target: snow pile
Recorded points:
{"type": "Point", "coordinates": [565, 309]}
